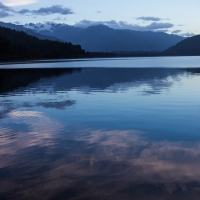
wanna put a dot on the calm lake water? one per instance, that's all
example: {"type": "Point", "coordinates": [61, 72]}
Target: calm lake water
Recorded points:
{"type": "Point", "coordinates": [146, 62]}
{"type": "Point", "coordinates": [101, 133]}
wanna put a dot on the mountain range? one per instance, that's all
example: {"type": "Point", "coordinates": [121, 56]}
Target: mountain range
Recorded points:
{"type": "Point", "coordinates": [102, 38]}
{"type": "Point", "coordinates": [28, 42]}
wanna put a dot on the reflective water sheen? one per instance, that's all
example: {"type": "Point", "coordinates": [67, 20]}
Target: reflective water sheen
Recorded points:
{"type": "Point", "coordinates": [100, 133]}
{"type": "Point", "coordinates": [136, 62]}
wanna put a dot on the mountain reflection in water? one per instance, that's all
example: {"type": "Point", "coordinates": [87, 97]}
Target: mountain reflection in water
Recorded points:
{"type": "Point", "coordinates": [99, 134]}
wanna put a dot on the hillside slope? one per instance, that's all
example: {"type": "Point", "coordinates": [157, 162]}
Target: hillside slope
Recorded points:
{"type": "Point", "coordinates": [187, 47]}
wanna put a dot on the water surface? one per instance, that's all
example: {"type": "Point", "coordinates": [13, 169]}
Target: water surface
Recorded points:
{"type": "Point", "coordinates": [135, 62]}
{"type": "Point", "coordinates": [100, 133]}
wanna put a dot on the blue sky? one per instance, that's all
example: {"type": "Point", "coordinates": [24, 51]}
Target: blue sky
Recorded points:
{"type": "Point", "coordinates": [171, 16]}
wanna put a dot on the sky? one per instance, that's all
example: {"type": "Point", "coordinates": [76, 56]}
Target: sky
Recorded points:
{"type": "Point", "coordinates": [171, 16]}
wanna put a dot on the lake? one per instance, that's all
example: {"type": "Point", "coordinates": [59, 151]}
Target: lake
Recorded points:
{"type": "Point", "coordinates": [100, 129]}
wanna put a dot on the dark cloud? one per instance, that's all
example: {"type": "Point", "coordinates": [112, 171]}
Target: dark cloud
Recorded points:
{"type": "Point", "coordinates": [176, 31]}
{"type": "Point", "coordinates": [3, 7]}
{"type": "Point", "coordinates": [60, 19]}
{"type": "Point", "coordinates": [55, 9]}
{"type": "Point", "coordinates": [17, 23]}
{"type": "Point", "coordinates": [4, 14]}
{"type": "Point", "coordinates": [156, 25]}
{"type": "Point", "coordinates": [24, 11]}
{"type": "Point", "coordinates": [149, 18]}
{"type": "Point", "coordinates": [5, 11]}
{"type": "Point", "coordinates": [57, 19]}
{"type": "Point", "coordinates": [98, 11]}
{"type": "Point", "coordinates": [162, 30]}
{"type": "Point", "coordinates": [124, 25]}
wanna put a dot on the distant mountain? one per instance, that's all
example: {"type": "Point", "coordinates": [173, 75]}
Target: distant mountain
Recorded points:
{"type": "Point", "coordinates": [104, 39]}
{"type": "Point", "coordinates": [28, 31]}
{"type": "Point", "coordinates": [187, 47]}
{"type": "Point", "coordinates": [17, 45]}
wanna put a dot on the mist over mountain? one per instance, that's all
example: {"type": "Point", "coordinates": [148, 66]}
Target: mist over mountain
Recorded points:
{"type": "Point", "coordinates": [28, 31]}
{"type": "Point", "coordinates": [102, 38]}
{"type": "Point", "coordinates": [187, 47]}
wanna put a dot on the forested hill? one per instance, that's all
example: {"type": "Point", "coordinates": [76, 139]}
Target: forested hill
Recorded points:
{"type": "Point", "coordinates": [187, 47]}
{"type": "Point", "coordinates": [17, 45]}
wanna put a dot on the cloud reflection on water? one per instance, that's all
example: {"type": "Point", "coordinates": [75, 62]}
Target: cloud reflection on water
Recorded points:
{"type": "Point", "coordinates": [85, 155]}
{"type": "Point", "coordinates": [40, 130]}
{"type": "Point", "coordinates": [41, 156]}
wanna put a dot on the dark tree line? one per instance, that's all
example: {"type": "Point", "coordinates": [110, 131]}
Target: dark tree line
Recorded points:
{"type": "Point", "coordinates": [17, 45]}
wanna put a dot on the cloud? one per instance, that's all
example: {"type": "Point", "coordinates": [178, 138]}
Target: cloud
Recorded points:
{"type": "Point", "coordinates": [4, 14]}
{"type": "Point", "coordinates": [24, 11]}
{"type": "Point", "coordinates": [187, 34]}
{"type": "Point", "coordinates": [162, 30]}
{"type": "Point", "coordinates": [3, 7]}
{"type": "Point", "coordinates": [176, 31]}
{"type": "Point", "coordinates": [55, 9]}
{"type": "Point", "coordinates": [149, 18]}
{"type": "Point", "coordinates": [60, 19]}
{"type": "Point", "coordinates": [124, 25]}
{"type": "Point", "coordinates": [156, 25]}
{"type": "Point", "coordinates": [5, 11]}
{"type": "Point", "coordinates": [17, 23]}
{"type": "Point", "coordinates": [57, 19]}
{"type": "Point", "coordinates": [18, 2]}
